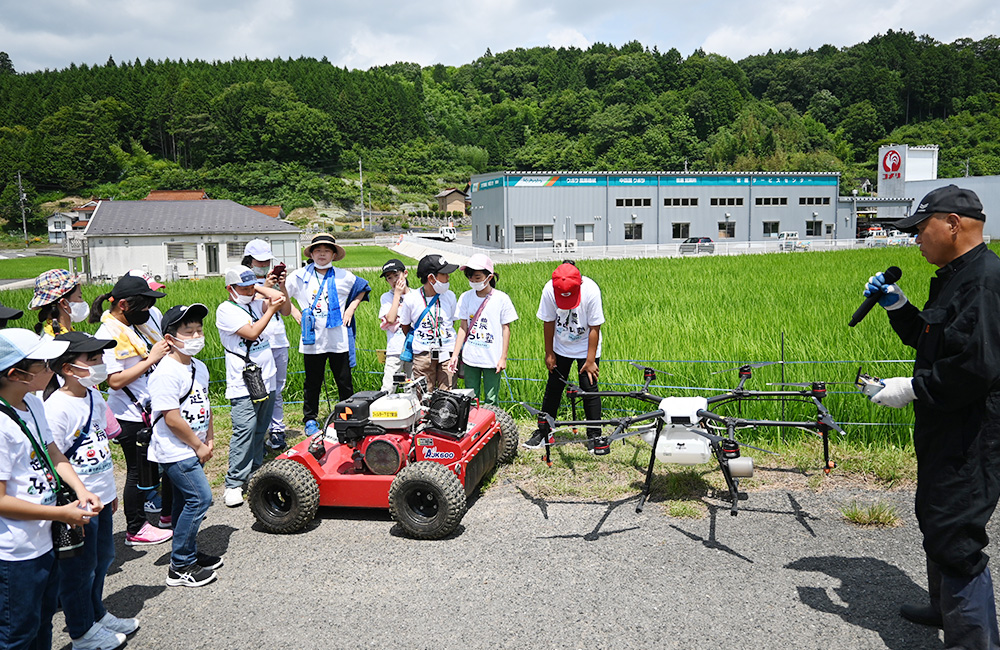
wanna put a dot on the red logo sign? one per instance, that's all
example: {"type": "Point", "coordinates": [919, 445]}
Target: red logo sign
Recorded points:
{"type": "Point", "coordinates": [891, 162]}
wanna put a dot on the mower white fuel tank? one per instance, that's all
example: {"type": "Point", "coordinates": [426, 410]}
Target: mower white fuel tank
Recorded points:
{"type": "Point", "coordinates": [680, 444]}
{"type": "Point", "coordinates": [397, 411]}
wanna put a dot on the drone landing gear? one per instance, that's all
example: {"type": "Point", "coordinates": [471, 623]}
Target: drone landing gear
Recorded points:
{"type": "Point", "coordinates": [649, 469]}
{"type": "Point", "coordinates": [726, 450]}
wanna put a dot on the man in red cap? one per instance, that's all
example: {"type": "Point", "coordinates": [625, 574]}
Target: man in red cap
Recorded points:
{"type": "Point", "coordinates": [572, 313]}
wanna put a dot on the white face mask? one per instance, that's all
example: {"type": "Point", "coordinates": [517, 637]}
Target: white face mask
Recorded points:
{"type": "Point", "coordinates": [478, 286]}
{"type": "Point", "coordinates": [190, 347]}
{"type": "Point", "coordinates": [260, 271]}
{"type": "Point", "coordinates": [240, 299]}
{"type": "Point", "coordinates": [440, 287]}
{"type": "Point", "coordinates": [322, 267]}
{"type": "Point", "coordinates": [78, 311]}
{"type": "Point", "coordinates": [96, 375]}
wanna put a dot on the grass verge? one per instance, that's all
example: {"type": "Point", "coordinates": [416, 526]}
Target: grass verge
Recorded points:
{"type": "Point", "coordinates": [874, 515]}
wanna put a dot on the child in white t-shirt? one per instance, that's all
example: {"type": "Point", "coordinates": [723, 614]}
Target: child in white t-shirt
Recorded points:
{"type": "Point", "coordinates": [395, 275]}
{"type": "Point", "coordinates": [430, 312]}
{"type": "Point", "coordinates": [81, 423]}
{"type": "Point", "coordinates": [184, 440]}
{"type": "Point", "coordinates": [484, 315]}
{"type": "Point", "coordinates": [242, 322]}
{"type": "Point", "coordinates": [32, 470]}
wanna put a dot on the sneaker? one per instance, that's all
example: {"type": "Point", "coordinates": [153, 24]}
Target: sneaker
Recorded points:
{"type": "Point", "coordinates": [311, 428]}
{"type": "Point", "coordinates": [99, 637]}
{"type": "Point", "coordinates": [233, 497]}
{"type": "Point", "coordinates": [121, 625]}
{"type": "Point", "coordinates": [147, 536]}
{"type": "Point", "coordinates": [153, 503]}
{"type": "Point", "coordinates": [536, 441]}
{"type": "Point", "coordinates": [166, 522]}
{"type": "Point", "coordinates": [921, 615]}
{"type": "Point", "coordinates": [189, 576]}
{"type": "Point", "coordinates": [276, 441]}
{"type": "Point", "coordinates": [210, 562]}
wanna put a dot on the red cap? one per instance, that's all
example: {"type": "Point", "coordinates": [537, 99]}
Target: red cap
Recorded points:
{"type": "Point", "coordinates": [566, 281]}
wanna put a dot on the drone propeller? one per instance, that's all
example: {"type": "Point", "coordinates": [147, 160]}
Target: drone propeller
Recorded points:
{"type": "Point", "coordinates": [759, 364]}
{"type": "Point", "coordinates": [540, 414]}
{"type": "Point", "coordinates": [805, 384]}
{"type": "Point", "coordinates": [717, 439]}
{"type": "Point", "coordinates": [646, 369]}
{"type": "Point", "coordinates": [827, 419]}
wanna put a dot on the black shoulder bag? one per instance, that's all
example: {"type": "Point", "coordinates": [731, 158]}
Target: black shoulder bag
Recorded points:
{"type": "Point", "coordinates": [253, 375]}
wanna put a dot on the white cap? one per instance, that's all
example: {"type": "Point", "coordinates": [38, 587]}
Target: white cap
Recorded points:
{"type": "Point", "coordinates": [241, 276]}
{"type": "Point", "coordinates": [258, 249]}
{"type": "Point", "coordinates": [17, 344]}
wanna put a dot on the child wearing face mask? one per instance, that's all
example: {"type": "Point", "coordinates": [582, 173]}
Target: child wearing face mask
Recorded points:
{"type": "Point", "coordinates": [430, 312]}
{"type": "Point", "coordinates": [59, 301]}
{"type": "Point", "coordinates": [78, 418]}
{"type": "Point", "coordinates": [484, 315]}
{"type": "Point", "coordinates": [184, 440]}
{"type": "Point", "coordinates": [139, 346]}
{"type": "Point", "coordinates": [242, 321]}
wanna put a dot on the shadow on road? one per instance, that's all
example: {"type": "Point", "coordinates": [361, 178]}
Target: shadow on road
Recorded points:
{"type": "Point", "coordinates": [870, 594]}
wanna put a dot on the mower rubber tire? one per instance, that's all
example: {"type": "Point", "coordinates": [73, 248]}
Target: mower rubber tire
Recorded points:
{"type": "Point", "coordinates": [283, 496]}
{"type": "Point", "coordinates": [427, 500]}
{"type": "Point", "coordinates": [508, 434]}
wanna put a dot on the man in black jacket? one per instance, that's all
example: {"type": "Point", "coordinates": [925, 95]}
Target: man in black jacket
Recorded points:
{"type": "Point", "coordinates": [955, 390]}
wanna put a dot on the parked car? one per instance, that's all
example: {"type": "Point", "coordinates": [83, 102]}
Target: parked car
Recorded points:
{"type": "Point", "coordinates": [697, 245]}
{"type": "Point", "coordinates": [788, 240]}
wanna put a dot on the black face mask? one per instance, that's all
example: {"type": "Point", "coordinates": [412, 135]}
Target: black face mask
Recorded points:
{"type": "Point", "coordinates": [137, 316]}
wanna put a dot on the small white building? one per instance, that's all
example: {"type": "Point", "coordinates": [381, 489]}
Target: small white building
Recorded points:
{"type": "Point", "coordinates": [59, 224]}
{"type": "Point", "coordinates": [181, 239]}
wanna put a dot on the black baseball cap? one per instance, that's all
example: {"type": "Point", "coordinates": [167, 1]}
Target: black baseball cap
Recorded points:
{"type": "Point", "coordinates": [392, 266]}
{"type": "Point", "coordinates": [83, 343]}
{"type": "Point", "coordinates": [129, 286]}
{"type": "Point", "coordinates": [9, 313]}
{"type": "Point", "coordinates": [175, 314]}
{"type": "Point", "coordinates": [434, 264]}
{"type": "Point", "coordinates": [948, 199]}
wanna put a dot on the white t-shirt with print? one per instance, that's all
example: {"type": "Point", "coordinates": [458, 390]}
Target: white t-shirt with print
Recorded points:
{"type": "Point", "coordinates": [121, 404]}
{"type": "Point", "coordinates": [168, 384]}
{"type": "Point", "coordinates": [302, 285]}
{"type": "Point", "coordinates": [484, 342]}
{"type": "Point", "coordinates": [572, 335]}
{"type": "Point", "coordinates": [394, 337]}
{"type": "Point", "coordinates": [436, 331]}
{"type": "Point", "coordinates": [67, 416]}
{"type": "Point", "coordinates": [230, 317]}
{"type": "Point", "coordinates": [24, 472]}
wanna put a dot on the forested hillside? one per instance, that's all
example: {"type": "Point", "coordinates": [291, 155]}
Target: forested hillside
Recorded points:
{"type": "Point", "coordinates": [292, 131]}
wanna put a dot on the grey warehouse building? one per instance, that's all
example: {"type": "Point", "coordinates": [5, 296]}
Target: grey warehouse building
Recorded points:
{"type": "Point", "coordinates": [532, 209]}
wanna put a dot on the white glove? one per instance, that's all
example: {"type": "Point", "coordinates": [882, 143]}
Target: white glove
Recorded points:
{"type": "Point", "coordinates": [898, 392]}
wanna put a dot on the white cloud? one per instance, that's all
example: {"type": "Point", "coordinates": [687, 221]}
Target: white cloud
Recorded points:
{"type": "Point", "coordinates": [567, 37]}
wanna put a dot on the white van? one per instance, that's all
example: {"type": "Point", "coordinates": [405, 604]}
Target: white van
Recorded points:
{"type": "Point", "coordinates": [788, 240]}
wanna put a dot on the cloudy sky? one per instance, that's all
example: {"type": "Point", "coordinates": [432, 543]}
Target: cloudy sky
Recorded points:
{"type": "Point", "coordinates": [39, 34]}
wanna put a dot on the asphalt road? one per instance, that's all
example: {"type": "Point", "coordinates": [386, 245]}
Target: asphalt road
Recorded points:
{"type": "Point", "coordinates": [523, 572]}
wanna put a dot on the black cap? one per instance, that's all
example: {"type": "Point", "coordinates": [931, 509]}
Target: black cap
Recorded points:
{"type": "Point", "coordinates": [392, 266]}
{"type": "Point", "coordinates": [197, 311]}
{"type": "Point", "coordinates": [948, 199]}
{"type": "Point", "coordinates": [83, 343]}
{"type": "Point", "coordinates": [434, 264]}
{"type": "Point", "coordinates": [129, 286]}
{"type": "Point", "coordinates": [8, 313]}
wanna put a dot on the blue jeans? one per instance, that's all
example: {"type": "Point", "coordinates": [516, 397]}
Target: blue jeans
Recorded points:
{"type": "Point", "coordinates": [192, 497]}
{"type": "Point", "coordinates": [28, 595]}
{"type": "Point", "coordinates": [246, 448]}
{"type": "Point", "coordinates": [81, 578]}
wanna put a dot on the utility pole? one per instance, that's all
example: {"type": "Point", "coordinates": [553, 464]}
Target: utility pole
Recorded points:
{"type": "Point", "coordinates": [20, 199]}
{"type": "Point", "coordinates": [361, 180]}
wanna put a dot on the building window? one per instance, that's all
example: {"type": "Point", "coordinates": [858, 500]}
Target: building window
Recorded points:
{"type": "Point", "coordinates": [771, 228]}
{"type": "Point", "coordinates": [727, 229]}
{"type": "Point", "coordinates": [633, 231]}
{"type": "Point", "coordinates": [829, 229]}
{"type": "Point", "coordinates": [814, 200]}
{"type": "Point", "coordinates": [59, 225]}
{"type": "Point", "coordinates": [234, 249]}
{"type": "Point", "coordinates": [184, 252]}
{"type": "Point", "coordinates": [728, 200]}
{"type": "Point", "coordinates": [680, 230]}
{"type": "Point", "coordinates": [771, 200]}
{"type": "Point", "coordinates": [585, 232]}
{"type": "Point", "coordinates": [487, 232]}
{"type": "Point", "coordinates": [677, 202]}
{"type": "Point", "coordinates": [633, 203]}
{"type": "Point", "coordinates": [532, 233]}
{"type": "Point", "coordinates": [814, 228]}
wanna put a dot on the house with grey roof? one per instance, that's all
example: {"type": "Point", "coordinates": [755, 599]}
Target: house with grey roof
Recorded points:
{"type": "Point", "coordinates": [181, 239]}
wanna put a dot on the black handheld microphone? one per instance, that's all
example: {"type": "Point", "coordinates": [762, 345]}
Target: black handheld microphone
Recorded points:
{"type": "Point", "coordinates": [891, 275]}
